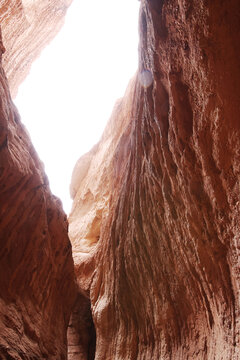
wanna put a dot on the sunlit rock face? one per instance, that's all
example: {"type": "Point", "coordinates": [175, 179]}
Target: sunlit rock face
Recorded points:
{"type": "Point", "coordinates": [27, 26]}
{"type": "Point", "coordinates": [37, 288]}
{"type": "Point", "coordinates": [91, 189]}
{"type": "Point", "coordinates": [155, 220]}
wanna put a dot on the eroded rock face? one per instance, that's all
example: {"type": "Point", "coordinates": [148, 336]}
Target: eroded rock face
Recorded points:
{"type": "Point", "coordinates": [37, 288]}
{"type": "Point", "coordinates": [81, 331]}
{"type": "Point", "coordinates": [162, 265]}
{"type": "Point", "coordinates": [91, 195]}
{"type": "Point", "coordinates": [27, 27]}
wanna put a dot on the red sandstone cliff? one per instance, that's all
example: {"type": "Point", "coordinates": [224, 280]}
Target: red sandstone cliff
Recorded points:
{"type": "Point", "coordinates": [155, 220]}
{"type": "Point", "coordinates": [37, 288]}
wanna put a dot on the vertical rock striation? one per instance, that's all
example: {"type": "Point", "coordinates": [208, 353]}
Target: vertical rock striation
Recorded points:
{"type": "Point", "coordinates": [155, 220]}
{"type": "Point", "coordinates": [92, 194]}
{"type": "Point", "coordinates": [37, 288]}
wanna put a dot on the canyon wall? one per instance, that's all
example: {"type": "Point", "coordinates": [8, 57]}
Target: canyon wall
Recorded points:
{"type": "Point", "coordinates": [27, 27]}
{"type": "Point", "coordinates": [155, 220]}
{"type": "Point", "coordinates": [37, 283]}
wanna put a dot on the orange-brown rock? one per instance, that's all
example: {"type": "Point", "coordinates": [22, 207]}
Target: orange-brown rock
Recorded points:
{"type": "Point", "coordinates": [37, 288]}
{"type": "Point", "coordinates": [155, 220]}
{"type": "Point", "coordinates": [27, 26]}
{"type": "Point", "coordinates": [81, 331]}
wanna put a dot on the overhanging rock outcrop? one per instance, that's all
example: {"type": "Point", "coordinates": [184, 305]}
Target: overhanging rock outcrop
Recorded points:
{"type": "Point", "coordinates": [155, 219]}
{"type": "Point", "coordinates": [27, 27]}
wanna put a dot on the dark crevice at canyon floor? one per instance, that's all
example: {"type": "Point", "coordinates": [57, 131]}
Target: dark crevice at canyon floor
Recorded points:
{"type": "Point", "coordinates": [147, 264]}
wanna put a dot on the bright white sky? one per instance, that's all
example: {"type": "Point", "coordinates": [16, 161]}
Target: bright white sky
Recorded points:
{"type": "Point", "coordinates": [68, 97]}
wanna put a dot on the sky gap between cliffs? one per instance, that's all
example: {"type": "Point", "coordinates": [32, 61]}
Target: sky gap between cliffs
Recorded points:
{"type": "Point", "coordinates": [68, 97]}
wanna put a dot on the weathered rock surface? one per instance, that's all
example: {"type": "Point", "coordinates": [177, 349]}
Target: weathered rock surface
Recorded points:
{"type": "Point", "coordinates": [81, 331]}
{"type": "Point", "coordinates": [155, 220]}
{"type": "Point", "coordinates": [90, 210]}
{"type": "Point", "coordinates": [27, 26]}
{"type": "Point", "coordinates": [37, 288]}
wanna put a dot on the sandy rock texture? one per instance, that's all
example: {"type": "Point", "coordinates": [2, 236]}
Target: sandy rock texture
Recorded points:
{"type": "Point", "coordinates": [81, 331]}
{"type": "Point", "coordinates": [155, 219]}
{"type": "Point", "coordinates": [37, 288]}
{"type": "Point", "coordinates": [90, 210]}
{"type": "Point", "coordinates": [27, 26]}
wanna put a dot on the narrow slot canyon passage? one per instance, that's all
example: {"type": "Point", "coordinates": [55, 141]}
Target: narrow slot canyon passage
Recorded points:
{"type": "Point", "coordinates": [81, 335]}
{"type": "Point", "coordinates": [146, 264]}
{"type": "Point", "coordinates": [79, 70]}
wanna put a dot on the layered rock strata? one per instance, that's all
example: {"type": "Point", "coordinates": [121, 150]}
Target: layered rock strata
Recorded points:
{"type": "Point", "coordinates": [37, 288]}
{"type": "Point", "coordinates": [27, 27]}
{"type": "Point", "coordinates": [155, 220]}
